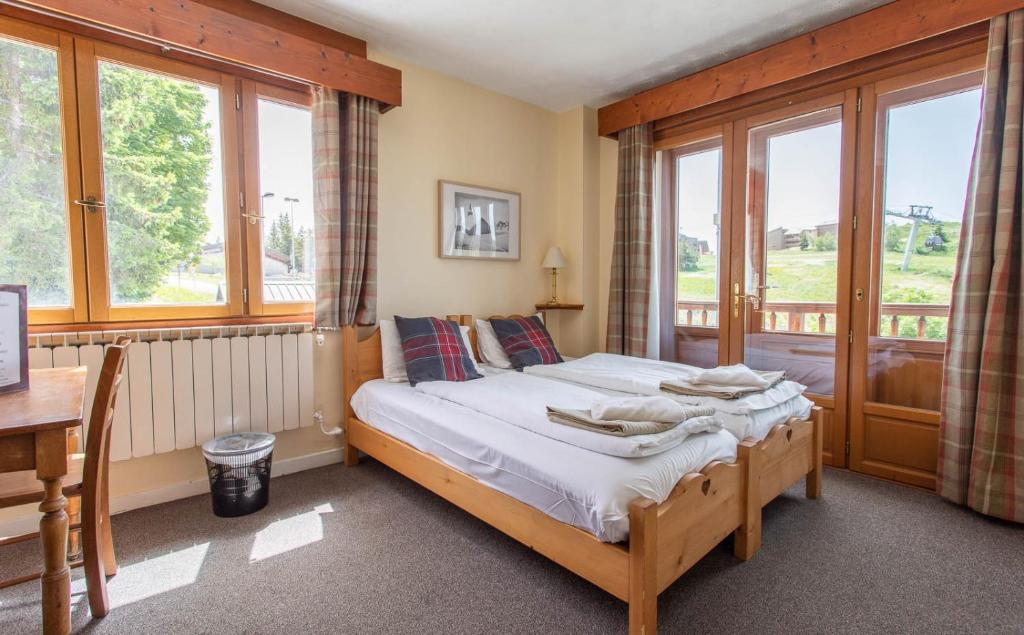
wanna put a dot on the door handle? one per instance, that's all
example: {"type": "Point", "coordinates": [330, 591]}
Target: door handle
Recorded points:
{"type": "Point", "coordinates": [90, 203]}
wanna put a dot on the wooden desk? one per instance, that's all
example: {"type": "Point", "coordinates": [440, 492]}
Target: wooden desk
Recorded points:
{"type": "Point", "coordinates": [34, 427]}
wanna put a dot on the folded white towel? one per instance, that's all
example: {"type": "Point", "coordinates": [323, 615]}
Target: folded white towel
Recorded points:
{"type": "Point", "coordinates": [736, 375]}
{"type": "Point", "coordinates": [660, 409]}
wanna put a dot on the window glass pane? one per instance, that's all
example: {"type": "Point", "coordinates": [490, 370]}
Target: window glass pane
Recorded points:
{"type": "Point", "coordinates": [802, 225]}
{"type": "Point", "coordinates": [286, 188]}
{"type": "Point", "coordinates": [164, 189]}
{"type": "Point", "coordinates": [928, 150]}
{"type": "Point", "coordinates": [698, 200]}
{"type": "Point", "coordinates": [33, 218]}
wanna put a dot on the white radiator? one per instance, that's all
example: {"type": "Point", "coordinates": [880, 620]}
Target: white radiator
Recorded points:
{"type": "Point", "coordinates": [183, 390]}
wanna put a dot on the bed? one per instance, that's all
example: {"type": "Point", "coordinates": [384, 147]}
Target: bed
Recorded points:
{"type": "Point", "coordinates": [665, 539]}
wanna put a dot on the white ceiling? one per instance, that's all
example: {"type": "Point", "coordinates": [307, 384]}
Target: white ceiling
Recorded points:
{"type": "Point", "coordinates": [559, 54]}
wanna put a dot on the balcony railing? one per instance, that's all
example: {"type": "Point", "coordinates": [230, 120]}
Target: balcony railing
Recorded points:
{"type": "Point", "coordinates": [815, 317]}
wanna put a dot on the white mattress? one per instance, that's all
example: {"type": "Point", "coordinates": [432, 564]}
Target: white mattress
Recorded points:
{"type": "Point", "coordinates": [588, 490]}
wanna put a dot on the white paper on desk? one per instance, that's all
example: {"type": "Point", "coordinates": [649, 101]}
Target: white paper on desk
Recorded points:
{"type": "Point", "coordinates": [10, 339]}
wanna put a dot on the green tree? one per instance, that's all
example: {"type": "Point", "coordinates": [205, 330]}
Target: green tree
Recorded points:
{"type": "Point", "coordinates": [825, 242]}
{"type": "Point", "coordinates": [157, 153]}
{"type": "Point", "coordinates": [689, 257]}
{"type": "Point", "coordinates": [893, 238]}
{"type": "Point", "coordinates": [805, 241]}
{"type": "Point", "coordinates": [33, 229]}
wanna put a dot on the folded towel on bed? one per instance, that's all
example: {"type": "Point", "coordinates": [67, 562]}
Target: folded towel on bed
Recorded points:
{"type": "Point", "coordinates": [736, 375]}
{"type": "Point", "coordinates": [660, 409]}
{"type": "Point", "coordinates": [724, 382]}
{"type": "Point", "coordinates": [701, 420]}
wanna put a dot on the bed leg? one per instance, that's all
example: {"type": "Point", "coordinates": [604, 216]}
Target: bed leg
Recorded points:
{"type": "Point", "coordinates": [814, 476]}
{"type": "Point", "coordinates": [351, 456]}
{"type": "Point", "coordinates": [747, 538]}
{"type": "Point", "coordinates": [643, 567]}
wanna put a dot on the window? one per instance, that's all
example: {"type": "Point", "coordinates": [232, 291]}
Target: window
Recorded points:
{"type": "Point", "coordinates": [801, 222]}
{"type": "Point", "coordinates": [164, 188]}
{"type": "Point", "coordinates": [280, 182]}
{"type": "Point", "coordinates": [123, 174]}
{"type": "Point", "coordinates": [35, 240]}
{"type": "Point", "coordinates": [927, 137]}
{"type": "Point", "coordinates": [698, 196]}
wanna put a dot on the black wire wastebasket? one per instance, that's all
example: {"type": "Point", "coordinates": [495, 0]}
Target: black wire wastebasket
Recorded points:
{"type": "Point", "coordinates": [239, 469]}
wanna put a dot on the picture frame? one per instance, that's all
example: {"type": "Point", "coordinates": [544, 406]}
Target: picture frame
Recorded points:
{"type": "Point", "coordinates": [13, 338]}
{"type": "Point", "coordinates": [478, 223]}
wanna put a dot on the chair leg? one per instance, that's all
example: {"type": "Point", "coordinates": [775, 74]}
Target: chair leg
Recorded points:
{"type": "Point", "coordinates": [95, 578]}
{"type": "Point", "coordinates": [75, 535]}
{"type": "Point", "coordinates": [107, 544]}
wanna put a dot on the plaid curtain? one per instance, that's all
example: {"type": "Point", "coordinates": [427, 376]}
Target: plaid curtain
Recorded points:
{"type": "Point", "coordinates": [345, 207]}
{"type": "Point", "coordinates": [981, 447]}
{"type": "Point", "coordinates": [630, 288]}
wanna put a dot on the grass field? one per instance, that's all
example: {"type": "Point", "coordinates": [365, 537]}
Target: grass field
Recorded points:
{"type": "Point", "coordinates": [810, 276]}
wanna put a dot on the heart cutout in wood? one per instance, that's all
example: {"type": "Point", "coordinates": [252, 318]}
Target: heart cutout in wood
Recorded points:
{"type": "Point", "coordinates": [789, 434]}
{"type": "Point", "coordinates": [705, 486]}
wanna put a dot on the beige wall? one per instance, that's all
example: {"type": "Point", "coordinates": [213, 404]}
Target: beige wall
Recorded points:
{"type": "Point", "coordinates": [448, 129]}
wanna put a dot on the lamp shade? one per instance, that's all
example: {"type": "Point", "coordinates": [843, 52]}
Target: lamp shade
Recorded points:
{"type": "Point", "coordinates": [554, 259]}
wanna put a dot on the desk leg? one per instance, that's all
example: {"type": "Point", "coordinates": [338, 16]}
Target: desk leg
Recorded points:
{"type": "Point", "coordinates": [56, 580]}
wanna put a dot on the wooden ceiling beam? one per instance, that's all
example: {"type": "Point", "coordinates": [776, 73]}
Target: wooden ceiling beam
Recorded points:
{"type": "Point", "coordinates": [292, 24]}
{"type": "Point", "coordinates": [887, 27]}
{"type": "Point", "coordinates": [201, 27]}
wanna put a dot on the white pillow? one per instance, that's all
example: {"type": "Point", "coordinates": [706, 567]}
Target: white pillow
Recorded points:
{"type": "Point", "coordinates": [394, 359]}
{"type": "Point", "coordinates": [491, 350]}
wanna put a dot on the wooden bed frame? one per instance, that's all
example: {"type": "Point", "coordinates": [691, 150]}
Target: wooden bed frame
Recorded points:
{"type": "Point", "coordinates": [664, 539]}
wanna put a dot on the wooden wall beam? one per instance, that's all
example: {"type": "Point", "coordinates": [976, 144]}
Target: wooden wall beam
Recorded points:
{"type": "Point", "coordinates": [869, 33]}
{"type": "Point", "coordinates": [194, 26]}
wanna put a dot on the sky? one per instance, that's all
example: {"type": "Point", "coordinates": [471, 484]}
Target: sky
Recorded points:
{"type": "Point", "coordinates": [286, 163]}
{"type": "Point", "coordinates": [928, 157]}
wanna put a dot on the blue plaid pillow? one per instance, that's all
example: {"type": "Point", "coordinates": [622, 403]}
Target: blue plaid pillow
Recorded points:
{"type": "Point", "coordinates": [526, 341]}
{"type": "Point", "coordinates": [434, 350]}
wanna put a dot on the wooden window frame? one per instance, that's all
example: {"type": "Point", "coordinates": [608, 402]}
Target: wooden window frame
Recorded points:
{"type": "Point", "coordinates": [88, 56]}
{"type": "Point", "coordinates": [63, 45]}
{"type": "Point", "coordinates": [684, 145]}
{"type": "Point", "coordinates": [78, 56]}
{"type": "Point", "coordinates": [252, 93]}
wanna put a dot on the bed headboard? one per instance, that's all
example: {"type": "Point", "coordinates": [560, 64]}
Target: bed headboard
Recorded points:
{"type": "Point", "coordinates": [362, 361]}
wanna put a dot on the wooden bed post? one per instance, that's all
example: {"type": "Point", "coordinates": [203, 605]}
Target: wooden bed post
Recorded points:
{"type": "Point", "coordinates": [350, 381]}
{"type": "Point", "coordinates": [643, 567]}
{"type": "Point", "coordinates": [814, 476]}
{"type": "Point", "coordinates": [747, 539]}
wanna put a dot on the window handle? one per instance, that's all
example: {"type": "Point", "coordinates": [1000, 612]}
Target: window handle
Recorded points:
{"type": "Point", "coordinates": [252, 218]}
{"type": "Point", "coordinates": [90, 203]}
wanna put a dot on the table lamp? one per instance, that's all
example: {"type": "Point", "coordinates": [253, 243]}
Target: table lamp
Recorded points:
{"type": "Point", "coordinates": [554, 260]}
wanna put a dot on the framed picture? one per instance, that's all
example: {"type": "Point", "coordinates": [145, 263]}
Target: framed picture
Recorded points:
{"type": "Point", "coordinates": [478, 222]}
{"type": "Point", "coordinates": [13, 338]}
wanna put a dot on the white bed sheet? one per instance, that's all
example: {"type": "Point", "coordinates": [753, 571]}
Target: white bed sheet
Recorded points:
{"type": "Point", "coordinates": [588, 490]}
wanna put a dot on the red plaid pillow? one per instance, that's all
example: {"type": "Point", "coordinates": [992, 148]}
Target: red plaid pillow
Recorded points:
{"type": "Point", "coordinates": [526, 341]}
{"type": "Point", "coordinates": [434, 350]}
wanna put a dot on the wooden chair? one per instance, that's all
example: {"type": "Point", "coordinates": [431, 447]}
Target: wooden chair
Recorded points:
{"type": "Point", "coordinates": [86, 479]}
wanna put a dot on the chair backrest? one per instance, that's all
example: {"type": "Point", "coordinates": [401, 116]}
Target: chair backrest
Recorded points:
{"type": "Point", "coordinates": [97, 443]}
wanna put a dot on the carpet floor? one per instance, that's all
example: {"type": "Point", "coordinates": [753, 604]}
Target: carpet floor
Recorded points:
{"type": "Point", "coordinates": [365, 550]}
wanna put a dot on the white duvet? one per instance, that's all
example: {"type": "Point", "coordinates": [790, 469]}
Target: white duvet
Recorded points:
{"type": "Point", "coordinates": [522, 400]}
{"type": "Point", "coordinates": [586, 489]}
{"type": "Point", "coordinates": [639, 376]}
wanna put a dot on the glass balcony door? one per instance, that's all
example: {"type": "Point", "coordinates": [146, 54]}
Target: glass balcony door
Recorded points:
{"type": "Point", "coordinates": [789, 293]}
{"type": "Point", "coordinates": [916, 153]}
